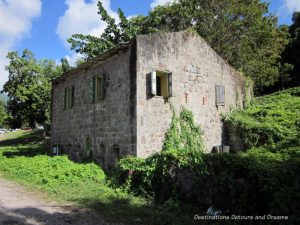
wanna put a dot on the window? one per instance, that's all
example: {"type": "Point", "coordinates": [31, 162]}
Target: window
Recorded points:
{"type": "Point", "coordinates": [220, 95]}
{"type": "Point", "coordinates": [161, 83]}
{"type": "Point", "coordinates": [97, 89]}
{"type": "Point", "coordinates": [69, 98]}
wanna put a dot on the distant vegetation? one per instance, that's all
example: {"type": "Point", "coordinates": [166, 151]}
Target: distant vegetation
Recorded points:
{"type": "Point", "coordinates": [3, 98]}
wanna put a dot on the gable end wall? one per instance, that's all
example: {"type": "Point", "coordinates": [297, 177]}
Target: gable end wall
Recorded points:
{"type": "Point", "coordinates": [196, 69]}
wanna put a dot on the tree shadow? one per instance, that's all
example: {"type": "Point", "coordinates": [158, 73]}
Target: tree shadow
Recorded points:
{"type": "Point", "coordinates": [27, 151]}
{"type": "Point", "coordinates": [51, 216]}
{"type": "Point", "coordinates": [26, 138]}
{"type": "Point", "coordinates": [29, 144]}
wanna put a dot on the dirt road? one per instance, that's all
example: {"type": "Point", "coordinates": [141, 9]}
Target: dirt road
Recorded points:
{"type": "Point", "coordinates": [21, 207]}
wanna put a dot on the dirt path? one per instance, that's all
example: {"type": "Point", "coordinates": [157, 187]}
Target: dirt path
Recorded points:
{"type": "Point", "coordinates": [21, 207]}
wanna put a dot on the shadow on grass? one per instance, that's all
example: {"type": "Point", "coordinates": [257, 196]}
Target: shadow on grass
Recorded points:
{"type": "Point", "coordinates": [20, 216]}
{"type": "Point", "coordinates": [32, 137]}
{"type": "Point", "coordinates": [28, 144]}
{"type": "Point", "coordinates": [147, 214]}
{"type": "Point", "coordinates": [28, 151]}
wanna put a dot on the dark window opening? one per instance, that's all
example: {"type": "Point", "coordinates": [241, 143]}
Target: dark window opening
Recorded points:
{"type": "Point", "coordinates": [161, 83]}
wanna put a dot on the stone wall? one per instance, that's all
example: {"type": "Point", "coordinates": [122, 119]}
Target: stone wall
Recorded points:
{"type": "Point", "coordinates": [130, 121]}
{"type": "Point", "coordinates": [196, 69]}
{"type": "Point", "coordinates": [100, 128]}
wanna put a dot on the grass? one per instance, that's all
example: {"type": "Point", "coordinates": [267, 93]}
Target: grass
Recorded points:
{"type": "Point", "coordinates": [24, 159]}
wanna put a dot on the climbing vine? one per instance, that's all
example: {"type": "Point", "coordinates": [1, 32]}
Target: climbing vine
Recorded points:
{"type": "Point", "coordinates": [184, 135]}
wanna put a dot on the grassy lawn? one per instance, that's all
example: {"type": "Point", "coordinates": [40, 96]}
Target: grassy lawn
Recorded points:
{"type": "Point", "coordinates": [24, 159]}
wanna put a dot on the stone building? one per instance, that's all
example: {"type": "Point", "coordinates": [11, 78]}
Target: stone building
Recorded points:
{"type": "Point", "coordinates": [118, 104]}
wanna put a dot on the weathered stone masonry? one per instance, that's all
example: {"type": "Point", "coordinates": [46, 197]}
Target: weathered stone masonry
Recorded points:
{"type": "Point", "coordinates": [130, 120]}
{"type": "Point", "coordinates": [97, 127]}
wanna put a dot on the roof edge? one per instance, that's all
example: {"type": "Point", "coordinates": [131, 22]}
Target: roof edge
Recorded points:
{"type": "Point", "coordinates": [87, 64]}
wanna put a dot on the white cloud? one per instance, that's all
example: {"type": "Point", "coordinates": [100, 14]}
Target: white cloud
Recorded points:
{"type": "Point", "coordinates": [160, 2]}
{"type": "Point", "coordinates": [288, 7]}
{"type": "Point", "coordinates": [81, 17]}
{"type": "Point", "coordinates": [292, 5]}
{"type": "Point", "coordinates": [16, 20]}
{"type": "Point", "coordinates": [72, 59]}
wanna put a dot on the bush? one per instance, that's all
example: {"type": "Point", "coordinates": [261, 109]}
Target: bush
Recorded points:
{"type": "Point", "coordinates": [262, 181]}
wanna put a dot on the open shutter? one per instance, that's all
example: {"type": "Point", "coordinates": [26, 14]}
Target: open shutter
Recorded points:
{"type": "Point", "coordinates": [91, 91]}
{"type": "Point", "coordinates": [72, 96]}
{"type": "Point", "coordinates": [170, 91]}
{"type": "Point", "coordinates": [103, 88]}
{"type": "Point", "coordinates": [153, 83]}
{"type": "Point", "coordinates": [65, 99]}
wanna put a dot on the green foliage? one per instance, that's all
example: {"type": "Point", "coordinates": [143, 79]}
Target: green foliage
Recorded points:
{"type": "Point", "coordinates": [3, 98]}
{"type": "Point", "coordinates": [29, 88]}
{"type": "Point", "coordinates": [244, 33]}
{"type": "Point", "coordinates": [262, 181]}
{"type": "Point", "coordinates": [183, 135]}
{"type": "Point", "coordinates": [292, 52]}
{"type": "Point", "coordinates": [271, 121]}
{"type": "Point", "coordinates": [65, 65]}
{"type": "Point", "coordinates": [3, 113]}
{"type": "Point", "coordinates": [23, 158]}
{"type": "Point", "coordinates": [258, 182]}
{"type": "Point", "coordinates": [183, 146]}
{"type": "Point", "coordinates": [114, 34]}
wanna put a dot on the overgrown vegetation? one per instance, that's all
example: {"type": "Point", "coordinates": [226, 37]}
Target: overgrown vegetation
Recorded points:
{"type": "Point", "coordinates": [23, 158]}
{"type": "Point", "coordinates": [172, 186]}
{"type": "Point", "coordinates": [272, 121]}
{"type": "Point", "coordinates": [259, 182]}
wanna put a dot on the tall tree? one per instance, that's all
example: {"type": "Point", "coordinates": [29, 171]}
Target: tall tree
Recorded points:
{"type": "Point", "coordinates": [291, 54]}
{"type": "Point", "coordinates": [114, 34]}
{"type": "Point", "coordinates": [28, 88]}
{"type": "Point", "coordinates": [242, 32]}
{"type": "Point", "coordinates": [3, 113]}
{"type": "Point", "coordinates": [65, 65]}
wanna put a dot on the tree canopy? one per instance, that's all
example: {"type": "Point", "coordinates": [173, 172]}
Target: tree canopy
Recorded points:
{"type": "Point", "coordinates": [242, 32]}
{"type": "Point", "coordinates": [291, 54]}
{"type": "Point", "coordinates": [29, 88]}
{"type": "Point", "coordinates": [3, 113]}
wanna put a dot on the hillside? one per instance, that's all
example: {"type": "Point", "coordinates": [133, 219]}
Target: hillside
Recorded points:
{"type": "Point", "coordinates": [271, 121]}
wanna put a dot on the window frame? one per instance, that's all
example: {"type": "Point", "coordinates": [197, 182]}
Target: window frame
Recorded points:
{"type": "Point", "coordinates": [97, 88]}
{"type": "Point", "coordinates": [164, 84]}
{"type": "Point", "coordinates": [69, 98]}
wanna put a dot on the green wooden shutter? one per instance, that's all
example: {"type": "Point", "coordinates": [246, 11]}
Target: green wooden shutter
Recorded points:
{"type": "Point", "coordinates": [103, 88]}
{"type": "Point", "coordinates": [91, 90]}
{"type": "Point", "coordinates": [153, 83]}
{"type": "Point", "coordinates": [170, 91]}
{"type": "Point", "coordinates": [65, 99]}
{"type": "Point", "coordinates": [72, 96]}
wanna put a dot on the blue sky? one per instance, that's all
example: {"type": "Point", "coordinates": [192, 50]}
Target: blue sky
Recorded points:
{"type": "Point", "coordinates": [43, 25]}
